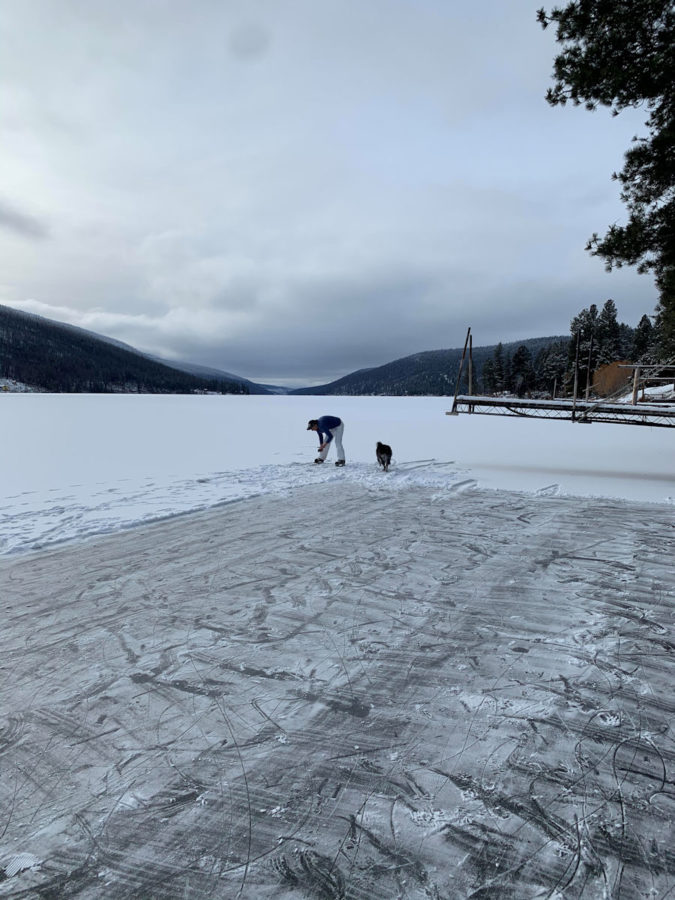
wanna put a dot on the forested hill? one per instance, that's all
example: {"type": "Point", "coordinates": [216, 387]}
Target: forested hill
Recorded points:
{"type": "Point", "coordinates": [55, 357]}
{"type": "Point", "coordinates": [433, 372]}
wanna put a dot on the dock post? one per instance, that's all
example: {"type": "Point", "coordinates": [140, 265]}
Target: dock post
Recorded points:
{"type": "Point", "coordinates": [470, 370]}
{"type": "Point", "coordinates": [588, 368]}
{"type": "Point", "coordinates": [576, 378]}
{"type": "Point", "coordinates": [453, 411]}
{"type": "Point", "coordinates": [636, 372]}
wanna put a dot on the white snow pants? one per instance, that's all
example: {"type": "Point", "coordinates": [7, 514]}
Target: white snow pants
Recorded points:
{"type": "Point", "coordinates": [337, 440]}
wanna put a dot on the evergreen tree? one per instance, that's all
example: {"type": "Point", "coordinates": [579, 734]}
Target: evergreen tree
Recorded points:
{"type": "Point", "coordinates": [488, 377]}
{"type": "Point", "coordinates": [550, 366]}
{"type": "Point", "coordinates": [643, 341]}
{"type": "Point", "coordinates": [584, 326]}
{"type": "Point", "coordinates": [508, 373]}
{"type": "Point", "coordinates": [626, 338]}
{"type": "Point", "coordinates": [620, 54]}
{"type": "Point", "coordinates": [608, 335]}
{"type": "Point", "coordinates": [500, 374]}
{"type": "Point", "coordinates": [522, 371]}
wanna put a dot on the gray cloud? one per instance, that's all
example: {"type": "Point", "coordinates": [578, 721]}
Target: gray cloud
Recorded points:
{"type": "Point", "coordinates": [249, 41]}
{"type": "Point", "coordinates": [291, 190]}
{"type": "Point", "coordinates": [22, 223]}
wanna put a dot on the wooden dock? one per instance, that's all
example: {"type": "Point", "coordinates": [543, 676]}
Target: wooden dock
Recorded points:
{"type": "Point", "coordinates": [652, 414]}
{"type": "Point", "coordinates": [621, 412]}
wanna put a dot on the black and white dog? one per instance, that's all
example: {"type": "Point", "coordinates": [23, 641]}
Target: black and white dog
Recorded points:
{"type": "Point", "coordinates": [383, 453]}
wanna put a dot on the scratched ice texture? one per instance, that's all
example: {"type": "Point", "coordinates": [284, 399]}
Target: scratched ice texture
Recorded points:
{"type": "Point", "coordinates": [451, 680]}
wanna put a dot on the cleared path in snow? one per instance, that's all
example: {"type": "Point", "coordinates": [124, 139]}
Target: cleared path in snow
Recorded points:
{"type": "Point", "coordinates": [345, 693]}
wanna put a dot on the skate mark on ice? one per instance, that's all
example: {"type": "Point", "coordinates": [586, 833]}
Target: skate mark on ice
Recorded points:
{"type": "Point", "coordinates": [461, 487]}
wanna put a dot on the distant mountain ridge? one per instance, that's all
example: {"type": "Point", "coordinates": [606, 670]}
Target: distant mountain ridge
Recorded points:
{"type": "Point", "coordinates": [209, 372]}
{"type": "Point", "coordinates": [54, 356]}
{"type": "Point", "coordinates": [431, 372]}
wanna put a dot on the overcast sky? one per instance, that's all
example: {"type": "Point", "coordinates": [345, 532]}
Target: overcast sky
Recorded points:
{"type": "Point", "coordinates": [294, 189]}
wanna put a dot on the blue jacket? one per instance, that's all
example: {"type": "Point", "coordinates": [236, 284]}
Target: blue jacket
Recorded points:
{"type": "Point", "coordinates": [325, 424]}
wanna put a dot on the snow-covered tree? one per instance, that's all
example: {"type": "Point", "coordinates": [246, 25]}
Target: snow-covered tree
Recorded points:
{"type": "Point", "coordinates": [608, 335]}
{"type": "Point", "coordinates": [522, 371]}
{"type": "Point", "coordinates": [643, 341]}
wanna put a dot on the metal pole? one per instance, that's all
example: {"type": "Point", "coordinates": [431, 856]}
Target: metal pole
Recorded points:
{"type": "Point", "coordinates": [453, 411]}
{"type": "Point", "coordinates": [555, 385]}
{"type": "Point", "coordinates": [635, 385]}
{"type": "Point", "coordinates": [470, 369]}
{"type": "Point", "coordinates": [588, 369]}
{"type": "Point", "coordinates": [471, 364]}
{"type": "Point", "coordinates": [576, 378]}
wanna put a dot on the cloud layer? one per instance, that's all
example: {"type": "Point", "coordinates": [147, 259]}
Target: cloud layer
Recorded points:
{"type": "Point", "coordinates": [291, 190]}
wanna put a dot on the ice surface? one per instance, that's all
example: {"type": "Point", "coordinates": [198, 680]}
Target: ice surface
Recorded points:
{"type": "Point", "coordinates": [19, 863]}
{"type": "Point", "coordinates": [351, 685]}
{"type": "Point", "coordinates": [370, 688]}
{"type": "Point", "coordinates": [77, 465]}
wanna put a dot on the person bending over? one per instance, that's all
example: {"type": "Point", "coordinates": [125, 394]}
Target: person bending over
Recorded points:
{"type": "Point", "coordinates": [329, 429]}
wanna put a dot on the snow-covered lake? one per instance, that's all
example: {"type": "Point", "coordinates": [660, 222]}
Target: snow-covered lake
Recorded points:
{"type": "Point", "coordinates": [355, 684]}
{"type": "Point", "coordinates": [77, 465]}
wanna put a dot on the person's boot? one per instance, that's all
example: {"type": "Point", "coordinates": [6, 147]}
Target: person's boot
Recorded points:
{"type": "Point", "coordinates": [318, 460]}
{"type": "Point", "coordinates": [340, 462]}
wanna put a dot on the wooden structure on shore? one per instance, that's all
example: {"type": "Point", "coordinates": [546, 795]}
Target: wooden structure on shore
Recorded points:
{"type": "Point", "coordinates": [574, 409]}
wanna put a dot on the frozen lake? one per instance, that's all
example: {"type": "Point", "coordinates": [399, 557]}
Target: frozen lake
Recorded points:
{"type": "Point", "coordinates": [76, 465]}
{"type": "Point", "coordinates": [347, 693]}
{"type": "Point", "coordinates": [450, 680]}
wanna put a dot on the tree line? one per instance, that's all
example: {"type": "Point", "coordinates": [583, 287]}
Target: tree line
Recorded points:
{"type": "Point", "coordinates": [602, 339]}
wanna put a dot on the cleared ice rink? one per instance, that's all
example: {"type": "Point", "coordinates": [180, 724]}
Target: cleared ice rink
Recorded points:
{"type": "Point", "coordinates": [352, 685]}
